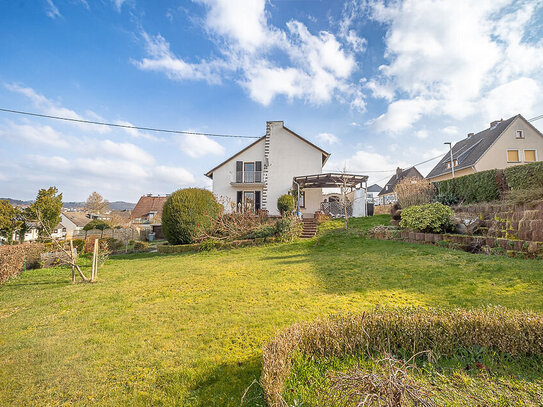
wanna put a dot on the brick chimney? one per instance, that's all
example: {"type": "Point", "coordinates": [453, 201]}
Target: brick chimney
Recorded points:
{"type": "Point", "coordinates": [471, 134]}
{"type": "Point", "coordinates": [398, 172]}
{"type": "Point", "coordinates": [495, 122]}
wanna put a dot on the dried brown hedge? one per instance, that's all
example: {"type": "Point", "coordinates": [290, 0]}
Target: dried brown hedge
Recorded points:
{"type": "Point", "coordinates": [15, 258]}
{"type": "Point", "coordinates": [392, 329]}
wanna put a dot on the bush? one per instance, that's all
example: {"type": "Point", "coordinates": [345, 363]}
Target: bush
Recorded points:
{"type": "Point", "coordinates": [262, 231]}
{"type": "Point", "coordinates": [478, 187]}
{"type": "Point", "coordinates": [210, 244]}
{"type": "Point", "coordinates": [285, 204]}
{"type": "Point", "coordinates": [528, 176]}
{"type": "Point", "coordinates": [15, 258]}
{"type": "Point", "coordinates": [414, 191]}
{"type": "Point", "coordinates": [96, 224]}
{"type": "Point", "coordinates": [102, 244]}
{"type": "Point", "coordinates": [187, 213]}
{"type": "Point", "coordinates": [288, 228]}
{"type": "Point", "coordinates": [114, 244]}
{"type": "Point", "coordinates": [431, 218]}
{"type": "Point", "coordinates": [520, 196]}
{"type": "Point", "coordinates": [141, 246]}
{"type": "Point", "coordinates": [447, 198]}
{"type": "Point", "coordinates": [399, 331]}
{"type": "Point", "coordinates": [79, 245]}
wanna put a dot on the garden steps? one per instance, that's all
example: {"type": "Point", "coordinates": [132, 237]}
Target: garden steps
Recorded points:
{"type": "Point", "coordinates": [310, 228]}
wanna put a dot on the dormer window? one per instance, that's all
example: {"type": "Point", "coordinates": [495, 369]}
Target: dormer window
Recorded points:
{"type": "Point", "coordinates": [519, 134]}
{"type": "Point", "coordinates": [455, 163]}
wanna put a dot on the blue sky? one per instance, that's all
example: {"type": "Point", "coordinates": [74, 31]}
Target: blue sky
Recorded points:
{"type": "Point", "coordinates": [378, 84]}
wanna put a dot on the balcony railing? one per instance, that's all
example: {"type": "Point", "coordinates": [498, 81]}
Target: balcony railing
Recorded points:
{"type": "Point", "coordinates": [248, 177]}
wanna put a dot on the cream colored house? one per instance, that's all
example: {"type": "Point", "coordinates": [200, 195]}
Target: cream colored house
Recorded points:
{"type": "Point", "coordinates": [255, 177]}
{"type": "Point", "coordinates": [505, 143]}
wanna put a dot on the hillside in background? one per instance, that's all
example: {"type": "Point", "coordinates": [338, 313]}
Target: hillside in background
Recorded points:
{"type": "Point", "coordinates": [116, 205]}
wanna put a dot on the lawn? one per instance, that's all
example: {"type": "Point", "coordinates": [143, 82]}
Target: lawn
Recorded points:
{"type": "Point", "coordinates": [188, 329]}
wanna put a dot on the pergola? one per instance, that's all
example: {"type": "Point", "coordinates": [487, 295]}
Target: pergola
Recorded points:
{"type": "Point", "coordinates": [330, 180]}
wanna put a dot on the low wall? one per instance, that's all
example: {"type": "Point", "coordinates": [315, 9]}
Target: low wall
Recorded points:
{"type": "Point", "coordinates": [524, 222]}
{"type": "Point", "coordinates": [473, 244]}
{"type": "Point", "coordinates": [382, 209]}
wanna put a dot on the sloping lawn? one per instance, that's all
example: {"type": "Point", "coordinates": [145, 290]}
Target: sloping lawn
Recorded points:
{"type": "Point", "coordinates": [188, 329]}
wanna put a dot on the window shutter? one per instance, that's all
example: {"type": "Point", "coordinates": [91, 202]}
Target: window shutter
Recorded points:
{"type": "Point", "coordinates": [257, 200]}
{"type": "Point", "coordinates": [239, 171]}
{"type": "Point", "coordinates": [258, 173]}
{"type": "Point", "coordinates": [239, 200]}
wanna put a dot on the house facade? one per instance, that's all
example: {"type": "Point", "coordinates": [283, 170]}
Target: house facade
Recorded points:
{"type": "Point", "coordinates": [148, 210]}
{"type": "Point", "coordinates": [73, 222]}
{"type": "Point", "coordinates": [258, 175]}
{"type": "Point", "coordinates": [388, 193]}
{"type": "Point", "coordinates": [504, 144]}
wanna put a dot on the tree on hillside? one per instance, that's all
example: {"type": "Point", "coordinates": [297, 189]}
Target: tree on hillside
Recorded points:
{"type": "Point", "coordinates": [9, 220]}
{"type": "Point", "coordinates": [46, 208]}
{"type": "Point", "coordinates": [96, 203]}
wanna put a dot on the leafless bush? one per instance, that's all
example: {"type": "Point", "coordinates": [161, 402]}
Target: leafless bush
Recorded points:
{"type": "Point", "coordinates": [15, 258]}
{"type": "Point", "coordinates": [388, 384]}
{"type": "Point", "coordinates": [393, 330]}
{"type": "Point", "coordinates": [414, 191]}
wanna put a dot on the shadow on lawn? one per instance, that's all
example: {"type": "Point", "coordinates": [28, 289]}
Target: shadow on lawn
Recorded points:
{"type": "Point", "coordinates": [227, 384]}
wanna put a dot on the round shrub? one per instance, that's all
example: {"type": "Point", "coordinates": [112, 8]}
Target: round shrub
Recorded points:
{"type": "Point", "coordinates": [96, 224]}
{"type": "Point", "coordinates": [187, 213]}
{"type": "Point", "coordinates": [285, 204]}
{"type": "Point", "coordinates": [429, 218]}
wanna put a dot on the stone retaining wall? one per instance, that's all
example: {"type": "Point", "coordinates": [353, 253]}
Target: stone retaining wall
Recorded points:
{"type": "Point", "coordinates": [474, 244]}
{"type": "Point", "coordinates": [524, 222]}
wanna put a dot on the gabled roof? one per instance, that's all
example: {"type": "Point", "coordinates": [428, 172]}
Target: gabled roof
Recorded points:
{"type": "Point", "coordinates": [374, 188]}
{"type": "Point", "coordinates": [400, 174]}
{"type": "Point", "coordinates": [78, 218]}
{"type": "Point", "coordinates": [148, 204]}
{"type": "Point", "coordinates": [469, 150]}
{"type": "Point", "coordinates": [324, 153]}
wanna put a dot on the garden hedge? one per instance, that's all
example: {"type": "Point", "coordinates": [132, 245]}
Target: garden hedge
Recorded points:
{"type": "Point", "coordinates": [478, 187]}
{"type": "Point", "coordinates": [528, 176]}
{"type": "Point", "coordinates": [15, 258]}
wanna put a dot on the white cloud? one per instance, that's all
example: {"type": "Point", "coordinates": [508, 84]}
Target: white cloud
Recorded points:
{"type": "Point", "coordinates": [421, 134]}
{"type": "Point", "coordinates": [34, 134]}
{"type": "Point", "coordinates": [315, 68]}
{"type": "Point", "coordinates": [196, 145]}
{"type": "Point", "coordinates": [328, 138]}
{"type": "Point", "coordinates": [175, 175]}
{"type": "Point", "coordinates": [51, 108]}
{"type": "Point", "coordinates": [452, 58]}
{"type": "Point", "coordinates": [135, 133]}
{"type": "Point", "coordinates": [52, 10]}
{"type": "Point", "coordinates": [125, 151]}
{"type": "Point", "coordinates": [451, 130]}
{"type": "Point", "coordinates": [118, 4]}
{"type": "Point", "coordinates": [161, 59]}
{"type": "Point", "coordinates": [518, 96]}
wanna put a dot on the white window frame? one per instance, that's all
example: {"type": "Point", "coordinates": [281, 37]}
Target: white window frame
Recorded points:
{"type": "Point", "coordinates": [521, 134]}
{"type": "Point", "coordinates": [243, 172]}
{"type": "Point", "coordinates": [507, 155]}
{"type": "Point", "coordinates": [530, 149]}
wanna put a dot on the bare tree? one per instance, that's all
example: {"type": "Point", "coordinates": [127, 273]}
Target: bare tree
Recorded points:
{"type": "Point", "coordinates": [96, 203]}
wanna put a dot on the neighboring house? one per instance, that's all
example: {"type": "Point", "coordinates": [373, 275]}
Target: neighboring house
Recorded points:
{"type": "Point", "coordinates": [59, 232]}
{"type": "Point", "coordinates": [505, 143]}
{"type": "Point", "coordinates": [73, 222]}
{"type": "Point", "coordinates": [31, 235]}
{"type": "Point", "coordinates": [373, 193]}
{"type": "Point", "coordinates": [148, 210]}
{"type": "Point", "coordinates": [255, 177]}
{"type": "Point", "coordinates": [388, 194]}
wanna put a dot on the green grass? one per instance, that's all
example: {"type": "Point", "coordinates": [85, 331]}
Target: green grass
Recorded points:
{"type": "Point", "coordinates": [188, 329]}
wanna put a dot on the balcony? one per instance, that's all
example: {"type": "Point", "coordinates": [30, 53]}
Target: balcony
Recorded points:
{"type": "Point", "coordinates": [248, 177]}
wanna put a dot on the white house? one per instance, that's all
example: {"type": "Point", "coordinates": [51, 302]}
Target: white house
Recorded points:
{"type": "Point", "coordinates": [258, 175]}
{"type": "Point", "coordinates": [73, 222]}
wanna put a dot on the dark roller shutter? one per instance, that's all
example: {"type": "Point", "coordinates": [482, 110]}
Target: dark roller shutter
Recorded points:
{"type": "Point", "coordinates": [239, 200]}
{"type": "Point", "coordinates": [239, 171]}
{"type": "Point", "coordinates": [258, 173]}
{"type": "Point", "coordinates": [257, 200]}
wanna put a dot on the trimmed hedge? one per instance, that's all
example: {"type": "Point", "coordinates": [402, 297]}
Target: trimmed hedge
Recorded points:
{"type": "Point", "coordinates": [528, 176]}
{"type": "Point", "coordinates": [477, 187]}
{"type": "Point", "coordinates": [217, 244]}
{"type": "Point", "coordinates": [15, 258]}
{"type": "Point", "coordinates": [397, 330]}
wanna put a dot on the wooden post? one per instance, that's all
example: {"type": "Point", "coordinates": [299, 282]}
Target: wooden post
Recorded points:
{"type": "Point", "coordinates": [72, 257]}
{"type": "Point", "coordinates": [94, 272]}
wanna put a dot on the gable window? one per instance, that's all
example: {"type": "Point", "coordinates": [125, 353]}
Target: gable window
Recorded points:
{"type": "Point", "coordinates": [520, 134]}
{"type": "Point", "coordinates": [530, 156]}
{"type": "Point", "coordinates": [249, 172]}
{"type": "Point", "coordinates": [513, 156]}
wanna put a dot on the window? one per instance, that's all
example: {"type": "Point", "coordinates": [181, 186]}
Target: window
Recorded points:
{"type": "Point", "coordinates": [513, 156]}
{"type": "Point", "coordinates": [301, 201]}
{"type": "Point", "coordinates": [248, 172]}
{"type": "Point", "coordinates": [248, 201]}
{"type": "Point", "coordinates": [455, 163]}
{"type": "Point", "coordinates": [520, 134]}
{"type": "Point", "coordinates": [530, 156]}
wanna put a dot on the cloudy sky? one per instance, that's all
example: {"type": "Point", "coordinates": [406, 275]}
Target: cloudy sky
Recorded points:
{"type": "Point", "coordinates": [378, 84]}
